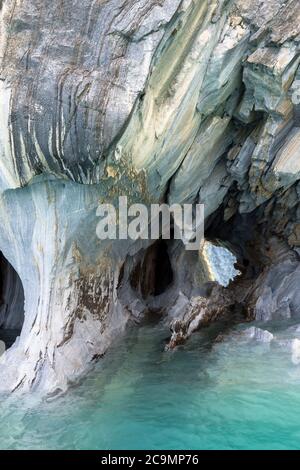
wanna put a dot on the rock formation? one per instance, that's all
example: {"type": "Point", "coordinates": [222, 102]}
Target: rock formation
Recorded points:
{"type": "Point", "coordinates": [160, 100]}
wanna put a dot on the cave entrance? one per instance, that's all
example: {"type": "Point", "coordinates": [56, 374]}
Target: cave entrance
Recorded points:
{"type": "Point", "coordinates": [153, 275]}
{"type": "Point", "coordinates": [11, 303]}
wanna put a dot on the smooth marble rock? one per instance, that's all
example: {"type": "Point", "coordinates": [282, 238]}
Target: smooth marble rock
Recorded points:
{"type": "Point", "coordinates": [169, 100]}
{"type": "Point", "coordinates": [71, 73]}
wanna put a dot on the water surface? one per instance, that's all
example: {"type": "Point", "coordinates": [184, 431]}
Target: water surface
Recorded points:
{"type": "Point", "coordinates": [234, 394]}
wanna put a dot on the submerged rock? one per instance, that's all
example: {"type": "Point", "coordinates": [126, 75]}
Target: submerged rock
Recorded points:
{"type": "Point", "coordinates": [258, 334]}
{"type": "Point", "coordinates": [296, 351]}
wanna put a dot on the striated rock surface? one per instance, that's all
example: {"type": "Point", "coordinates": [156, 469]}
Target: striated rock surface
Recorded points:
{"type": "Point", "coordinates": [160, 100]}
{"type": "Point", "coordinates": [71, 73]}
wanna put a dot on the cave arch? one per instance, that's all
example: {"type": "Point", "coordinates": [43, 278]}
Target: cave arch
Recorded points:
{"type": "Point", "coordinates": [153, 275]}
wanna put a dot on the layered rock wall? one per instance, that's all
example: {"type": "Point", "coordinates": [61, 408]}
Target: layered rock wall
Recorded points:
{"type": "Point", "coordinates": [175, 101]}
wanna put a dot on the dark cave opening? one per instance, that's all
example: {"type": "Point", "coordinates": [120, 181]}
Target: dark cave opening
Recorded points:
{"type": "Point", "coordinates": [241, 234]}
{"type": "Point", "coordinates": [153, 275]}
{"type": "Point", "coordinates": [11, 303]}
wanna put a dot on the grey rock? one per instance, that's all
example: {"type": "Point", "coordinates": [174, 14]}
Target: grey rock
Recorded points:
{"type": "Point", "coordinates": [158, 100]}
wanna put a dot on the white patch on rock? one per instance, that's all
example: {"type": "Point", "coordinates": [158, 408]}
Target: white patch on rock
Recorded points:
{"type": "Point", "coordinates": [220, 263]}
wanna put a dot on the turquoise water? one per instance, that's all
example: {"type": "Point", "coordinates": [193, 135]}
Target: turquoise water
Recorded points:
{"type": "Point", "coordinates": [234, 394]}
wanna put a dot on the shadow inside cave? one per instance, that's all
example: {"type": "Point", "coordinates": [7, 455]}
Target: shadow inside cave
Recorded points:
{"type": "Point", "coordinates": [11, 303]}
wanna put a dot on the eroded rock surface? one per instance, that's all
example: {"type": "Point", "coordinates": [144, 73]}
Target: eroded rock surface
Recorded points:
{"type": "Point", "coordinates": [176, 101]}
